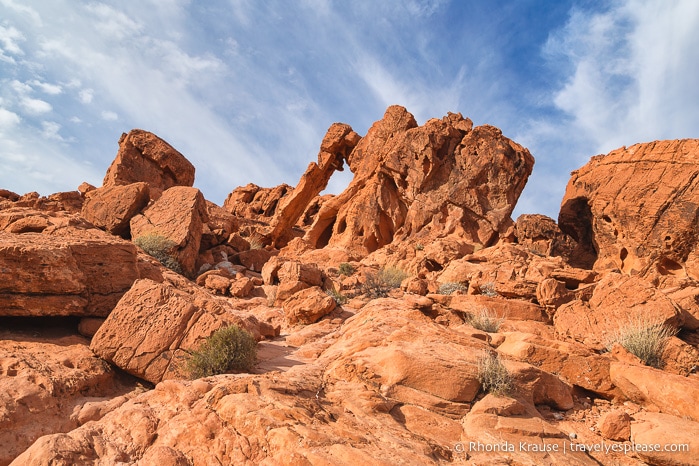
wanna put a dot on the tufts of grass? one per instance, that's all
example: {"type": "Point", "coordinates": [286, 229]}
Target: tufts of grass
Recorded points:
{"type": "Point", "coordinates": [451, 287]}
{"type": "Point", "coordinates": [339, 298]}
{"type": "Point", "coordinates": [378, 285]}
{"type": "Point", "coordinates": [345, 269]}
{"type": "Point", "coordinates": [159, 247]}
{"type": "Point", "coordinates": [493, 375]}
{"type": "Point", "coordinates": [485, 321]}
{"type": "Point", "coordinates": [644, 339]}
{"type": "Point", "coordinates": [227, 349]}
{"type": "Point", "coordinates": [488, 289]}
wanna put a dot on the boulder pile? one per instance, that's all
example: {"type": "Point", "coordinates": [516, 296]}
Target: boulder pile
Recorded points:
{"type": "Point", "coordinates": [407, 320]}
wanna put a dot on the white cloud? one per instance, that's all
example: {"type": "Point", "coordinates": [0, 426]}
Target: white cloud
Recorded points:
{"type": "Point", "coordinates": [48, 88]}
{"type": "Point", "coordinates": [9, 38]}
{"type": "Point", "coordinates": [8, 119]}
{"type": "Point", "coordinates": [109, 116]}
{"type": "Point", "coordinates": [35, 106]}
{"type": "Point", "coordinates": [633, 71]}
{"type": "Point", "coordinates": [86, 95]}
{"type": "Point", "coordinates": [50, 130]}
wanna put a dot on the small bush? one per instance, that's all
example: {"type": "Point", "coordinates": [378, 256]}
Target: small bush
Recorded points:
{"type": "Point", "coordinates": [485, 321]}
{"type": "Point", "coordinates": [345, 269]}
{"type": "Point", "coordinates": [451, 287]}
{"type": "Point", "coordinates": [380, 284]}
{"type": "Point", "coordinates": [644, 339]}
{"type": "Point", "coordinates": [339, 298]}
{"type": "Point", "coordinates": [256, 243]}
{"type": "Point", "coordinates": [419, 247]}
{"type": "Point", "coordinates": [227, 349]}
{"type": "Point", "coordinates": [493, 375]}
{"type": "Point", "coordinates": [159, 247]}
{"type": "Point", "coordinates": [488, 289]}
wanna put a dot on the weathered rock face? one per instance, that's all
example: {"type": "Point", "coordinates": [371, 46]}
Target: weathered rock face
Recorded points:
{"type": "Point", "coordinates": [541, 235]}
{"type": "Point", "coordinates": [179, 215]}
{"type": "Point", "coordinates": [149, 332]}
{"type": "Point", "coordinates": [70, 272]}
{"type": "Point", "coordinates": [143, 156]}
{"type": "Point", "coordinates": [255, 203]}
{"type": "Point", "coordinates": [44, 382]}
{"type": "Point", "coordinates": [617, 301]}
{"type": "Point", "coordinates": [636, 209]}
{"type": "Point", "coordinates": [112, 208]}
{"type": "Point", "coordinates": [422, 182]}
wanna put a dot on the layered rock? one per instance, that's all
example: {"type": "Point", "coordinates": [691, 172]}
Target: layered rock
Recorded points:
{"type": "Point", "coordinates": [635, 210]}
{"type": "Point", "coordinates": [255, 203]}
{"type": "Point", "coordinates": [71, 272]}
{"type": "Point", "coordinates": [143, 156]}
{"type": "Point", "coordinates": [426, 181]}
{"type": "Point", "coordinates": [178, 215]}
{"type": "Point", "coordinates": [151, 330]}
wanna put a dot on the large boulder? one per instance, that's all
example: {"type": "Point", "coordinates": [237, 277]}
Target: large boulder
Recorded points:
{"type": "Point", "coordinates": [179, 215]}
{"type": "Point", "coordinates": [71, 272]}
{"type": "Point", "coordinates": [111, 208]}
{"type": "Point", "coordinates": [424, 182]}
{"type": "Point", "coordinates": [151, 330]}
{"type": "Point", "coordinates": [635, 209]}
{"type": "Point", "coordinates": [255, 203]}
{"type": "Point", "coordinates": [143, 156]}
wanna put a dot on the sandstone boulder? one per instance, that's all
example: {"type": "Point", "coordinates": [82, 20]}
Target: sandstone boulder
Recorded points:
{"type": "Point", "coordinates": [154, 325]}
{"type": "Point", "coordinates": [670, 393]}
{"type": "Point", "coordinates": [178, 215]}
{"type": "Point", "coordinates": [541, 235]}
{"type": "Point", "coordinates": [255, 203]}
{"type": "Point", "coordinates": [615, 425]}
{"type": "Point", "coordinates": [308, 306]}
{"type": "Point", "coordinates": [678, 439]}
{"type": "Point", "coordinates": [70, 272]}
{"type": "Point", "coordinates": [426, 181]}
{"type": "Point", "coordinates": [112, 208]}
{"type": "Point", "coordinates": [143, 156]}
{"type": "Point", "coordinates": [635, 209]}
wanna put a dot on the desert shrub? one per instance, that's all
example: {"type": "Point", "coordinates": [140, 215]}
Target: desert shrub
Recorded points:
{"type": "Point", "coordinates": [227, 349]}
{"type": "Point", "coordinates": [419, 247]}
{"type": "Point", "coordinates": [493, 375]}
{"type": "Point", "coordinates": [485, 320]}
{"type": "Point", "coordinates": [451, 287]}
{"type": "Point", "coordinates": [488, 289]}
{"type": "Point", "coordinates": [644, 339]}
{"type": "Point", "coordinates": [256, 242]}
{"type": "Point", "coordinates": [159, 247]}
{"type": "Point", "coordinates": [378, 285]}
{"type": "Point", "coordinates": [345, 269]}
{"type": "Point", "coordinates": [339, 298]}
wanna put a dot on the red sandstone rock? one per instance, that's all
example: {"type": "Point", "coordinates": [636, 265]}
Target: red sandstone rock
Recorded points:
{"type": "Point", "coordinates": [335, 148]}
{"type": "Point", "coordinates": [255, 203]}
{"type": "Point", "coordinates": [541, 235]}
{"type": "Point", "coordinates": [178, 215]}
{"type": "Point", "coordinates": [418, 182]}
{"type": "Point", "coordinates": [602, 209]}
{"type": "Point", "coordinates": [153, 326]}
{"type": "Point", "coordinates": [71, 272]}
{"type": "Point", "coordinates": [617, 301]}
{"type": "Point", "coordinates": [308, 306]}
{"type": "Point", "coordinates": [615, 425]}
{"type": "Point", "coordinates": [681, 436]}
{"type": "Point", "coordinates": [143, 156]}
{"type": "Point", "coordinates": [112, 208]}
{"type": "Point", "coordinates": [670, 393]}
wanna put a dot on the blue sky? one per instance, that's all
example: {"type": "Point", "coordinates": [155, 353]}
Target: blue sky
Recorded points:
{"type": "Point", "coordinates": [246, 89]}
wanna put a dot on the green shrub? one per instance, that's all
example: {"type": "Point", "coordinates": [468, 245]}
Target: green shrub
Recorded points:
{"type": "Point", "coordinates": [339, 298]}
{"type": "Point", "coordinates": [493, 375]}
{"type": "Point", "coordinates": [159, 247]}
{"type": "Point", "coordinates": [378, 285]}
{"type": "Point", "coordinates": [345, 269]}
{"type": "Point", "coordinates": [451, 287]}
{"type": "Point", "coordinates": [485, 321]}
{"type": "Point", "coordinates": [227, 349]}
{"type": "Point", "coordinates": [644, 339]}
